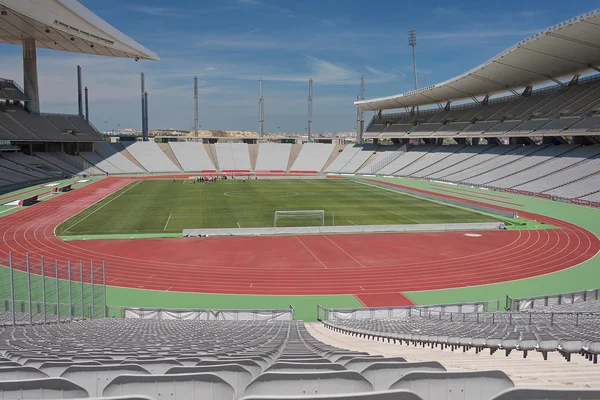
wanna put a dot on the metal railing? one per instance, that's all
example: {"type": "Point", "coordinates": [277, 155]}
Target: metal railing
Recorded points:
{"type": "Point", "coordinates": [328, 314]}
{"type": "Point", "coordinates": [36, 289]}
{"type": "Point", "coordinates": [539, 302]}
{"type": "Point", "coordinates": [200, 314]}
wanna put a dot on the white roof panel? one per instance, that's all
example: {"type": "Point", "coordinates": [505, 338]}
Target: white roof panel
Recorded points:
{"type": "Point", "coordinates": [66, 25]}
{"type": "Point", "coordinates": [567, 49]}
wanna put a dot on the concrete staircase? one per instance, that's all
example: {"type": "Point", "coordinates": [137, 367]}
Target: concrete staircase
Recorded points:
{"type": "Point", "coordinates": [169, 152]}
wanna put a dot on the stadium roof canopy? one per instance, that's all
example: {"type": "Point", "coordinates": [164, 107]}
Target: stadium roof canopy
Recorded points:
{"type": "Point", "coordinates": [65, 25]}
{"type": "Point", "coordinates": [564, 50]}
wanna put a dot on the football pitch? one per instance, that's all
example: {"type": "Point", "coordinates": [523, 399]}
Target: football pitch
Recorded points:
{"type": "Point", "coordinates": [164, 206]}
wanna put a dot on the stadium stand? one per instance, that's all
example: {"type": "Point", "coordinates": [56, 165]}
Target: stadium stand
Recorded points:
{"type": "Point", "coordinates": [233, 157]}
{"type": "Point", "coordinates": [185, 359]}
{"type": "Point", "coordinates": [351, 159]}
{"type": "Point", "coordinates": [151, 157]}
{"type": "Point", "coordinates": [273, 157]}
{"type": "Point", "coordinates": [438, 154]}
{"type": "Point", "coordinates": [192, 156]}
{"type": "Point", "coordinates": [116, 158]}
{"type": "Point", "coordinates": [312, 157]}
{"type": "Point", "coordinates": [545, 111]}
{"type": "Point", "coordinates": [406, 159]}
{"type": "Point", "coordinates": [566, 332]}
{"type": "Point", "coordinates": [10, 90]}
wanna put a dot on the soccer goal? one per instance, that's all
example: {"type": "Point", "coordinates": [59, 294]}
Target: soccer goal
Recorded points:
{"type": "Point", "coordinates": [316, 217]}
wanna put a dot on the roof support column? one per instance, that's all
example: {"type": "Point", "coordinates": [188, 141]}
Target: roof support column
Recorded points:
{"type": "Point", "coordinates": [30, 75]}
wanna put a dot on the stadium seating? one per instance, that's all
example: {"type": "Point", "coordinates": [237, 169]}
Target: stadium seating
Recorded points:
{"type": "Point", "coordinates": [351, 159]}
{"type": "Point", "coordinates": [152, 158]}
{"type": "Point", "coordinates": [312, 157]}
{"type": "Point", "coordinates": [273, 157]}
{"type": "Point", "coordinates": [546, 111]}
{"type": "Point", "coordinates": [192, 156]}
{"type": "Point", "coordinates": [233, 157]}
{"type": "Point", "coordinates": [438, 154]}
{"type": "Point", "coordinates": [114, 157]}
{"type": "Point", "coordinates": [566, 332]}
{"type": "Point", "coordinates": [184, 359]}
{"type": "Point", "coordinates": [411, 156]}
{"type": "Point", "coordinates": [10, 90]}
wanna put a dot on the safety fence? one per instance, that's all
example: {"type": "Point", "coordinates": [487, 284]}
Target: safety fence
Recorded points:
{"type": "Point", "coordinates": [201, 314]}
{"type": "Point", "coordinates": [539, 302]}
{"type": "Point", "coordinates": [429, 311]}
{"type": "Point", "coordinates": [307, 230]}
{"type": "Point", "coordinates": [35, 289]}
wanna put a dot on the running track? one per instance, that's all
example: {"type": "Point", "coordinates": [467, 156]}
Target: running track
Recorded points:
{"type": "Point", "coordinates": [376, 268]}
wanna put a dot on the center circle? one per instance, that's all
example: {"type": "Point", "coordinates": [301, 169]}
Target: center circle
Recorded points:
{"type": "Point", "coordinates": [242, 194]}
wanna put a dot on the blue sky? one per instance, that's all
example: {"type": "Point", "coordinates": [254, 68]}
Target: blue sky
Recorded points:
{"type": "Point", "coordinates": [230, 44]}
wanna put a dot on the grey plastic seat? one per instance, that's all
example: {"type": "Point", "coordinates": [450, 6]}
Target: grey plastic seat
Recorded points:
{"type": "Point", "coordinates": [20, 372]}
{"type": "Point", "coordinates": [46, 388]}
{"type": "Point", "coordinates": [176, 387]}
{"type": "Point", "coordinates": [360, 363]}
{"type": "Point", "coordinates": [308, 383]}
{"type": "Point", "coordinates": [387, 395]}
{"type": "Point", "coordinates": [234, 374]}
{"type": "Point", "coordinates": [384, 374]}
{"type": "Point", "coordinates": [446, 385]}
{"type": "Point", "coordinates": [94, 378]}
{"type": "Point", "coordinates": [304, 367]}
{"type": "Point", "coordinates": [56, 368]}
{"type": "Point", "coordinates": [155, 366]}
{"type": "Point", "coordinates": [549, 394]}
{"type": "Point", "coordinates": [251, 365]}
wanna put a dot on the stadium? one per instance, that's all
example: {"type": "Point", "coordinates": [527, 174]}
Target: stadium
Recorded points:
{"type": "Point", "coordinates": [451, 251]}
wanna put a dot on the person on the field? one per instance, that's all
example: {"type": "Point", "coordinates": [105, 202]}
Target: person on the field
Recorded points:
{"type": "Point", "coordinates": [173, 180]}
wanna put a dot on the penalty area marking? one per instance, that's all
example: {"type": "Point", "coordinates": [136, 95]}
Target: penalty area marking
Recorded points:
{"type": "Point", "coordinates": [473, 235]}
{"type": "Point", "coordinates": [167, 224]}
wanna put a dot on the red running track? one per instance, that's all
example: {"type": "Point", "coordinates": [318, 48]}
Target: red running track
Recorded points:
{"type": "Point", "coordinates": [375, 267]}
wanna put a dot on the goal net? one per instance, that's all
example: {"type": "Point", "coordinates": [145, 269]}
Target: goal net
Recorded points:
{"type": "Point", "coordinates": [304, 217]}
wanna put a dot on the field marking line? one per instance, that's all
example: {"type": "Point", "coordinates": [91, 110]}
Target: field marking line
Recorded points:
{"type": "Point", "coordinates": [167, 224]}
{"type": "Point", "coordinates": [403, 216]}
{"type": "Point", "coordinates": [344, 251]}
{"type": "Point", "coordinates": [313, 254]}
{"type": "Point", "coordinates": [351, 222]}
{"type": "Point", "coordinates": [103, 205]}
{"type": "Point", "coordinates": [239, 225]}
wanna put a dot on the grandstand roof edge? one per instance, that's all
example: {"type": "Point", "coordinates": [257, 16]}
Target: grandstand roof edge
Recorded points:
{"type": "Point", "coordinates": [67, 25]}
{"type": "Point", "coordinates": [561, 44]}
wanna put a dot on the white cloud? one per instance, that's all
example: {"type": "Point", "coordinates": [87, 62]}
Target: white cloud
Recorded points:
{"type": "Point", "coordinates": [157, 11]}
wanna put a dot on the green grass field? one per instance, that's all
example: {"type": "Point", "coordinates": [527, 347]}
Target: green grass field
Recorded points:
{"type": "Point", "coordinates": [162, 206]}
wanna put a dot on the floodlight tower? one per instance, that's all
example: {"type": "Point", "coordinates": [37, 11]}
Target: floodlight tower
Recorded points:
{"type": "Point", "coordinates": [261, 109]}
{"type": "Point", "coordinates": [412, 42]}
{"type": "Point", "coordinates": [143, 83]}
{"type": "Point", "coordinates": [195, 108]}
{"type": "Point", "coordinates": [310, 108]}
{"type": "Point", "coordinates": [361, 122]}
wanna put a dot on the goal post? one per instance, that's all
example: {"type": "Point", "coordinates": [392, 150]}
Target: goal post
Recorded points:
{"type": "Point", "coordinates": [303, 215]}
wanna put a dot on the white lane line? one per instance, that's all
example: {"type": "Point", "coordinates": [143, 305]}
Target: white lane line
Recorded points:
{"type": "Point", "coordinates": [103, 205]}
{"type": "Point", "coordinates": [167, 224]}
{"type": "Point", "coordinates": [313, 254]}
{"type": "Point", "coordinates": [344, 251]}
{"type": "Point", "coordinates": [403, 216]}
